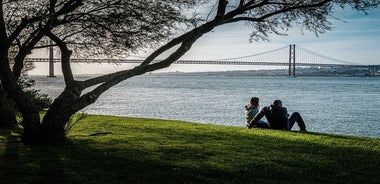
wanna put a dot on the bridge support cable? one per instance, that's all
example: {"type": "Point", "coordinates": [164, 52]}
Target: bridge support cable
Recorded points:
{"type": "Point", "coordinates": [254, 55]}
{"type": "Point", "coordinates": [319, 59]}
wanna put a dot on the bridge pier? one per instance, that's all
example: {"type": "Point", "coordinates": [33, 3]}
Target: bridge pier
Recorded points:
{"type": "Point", "coordinates": [51, 61]}
{"type": "Point", "coordinates": [292, 60]}
{"type": "Point", "coordinates": [372, 71]}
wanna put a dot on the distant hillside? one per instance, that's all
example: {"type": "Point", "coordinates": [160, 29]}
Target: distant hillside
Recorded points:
{"type": "Point", "coordinates": [300, 71]}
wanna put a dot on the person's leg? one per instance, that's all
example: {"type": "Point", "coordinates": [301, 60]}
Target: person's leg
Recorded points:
{"type": "Point", "coordinates": [262, 124]}
{"type": "Point", "coordinates": [296, 117]}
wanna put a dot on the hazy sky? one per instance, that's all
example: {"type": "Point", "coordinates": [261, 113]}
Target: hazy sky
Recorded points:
{"type": "Point", "coordinates": [357, 40]}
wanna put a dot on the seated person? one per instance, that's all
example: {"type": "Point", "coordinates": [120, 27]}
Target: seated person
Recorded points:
{"type": "Point", "coordinates": [251, 110]}
{"type": "Point", "coordinates": [278, 117]}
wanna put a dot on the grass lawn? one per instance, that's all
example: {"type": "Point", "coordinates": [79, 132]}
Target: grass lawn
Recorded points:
{"type": "Point", "coordinates": [105, 149]}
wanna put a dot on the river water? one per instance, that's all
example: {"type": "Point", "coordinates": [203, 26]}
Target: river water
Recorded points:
{"type": "Point", "coordinates": [338, 105]}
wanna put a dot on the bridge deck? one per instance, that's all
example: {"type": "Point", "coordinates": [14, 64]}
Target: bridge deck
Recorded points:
{"type": "Point", "coordinates": [209, 62]}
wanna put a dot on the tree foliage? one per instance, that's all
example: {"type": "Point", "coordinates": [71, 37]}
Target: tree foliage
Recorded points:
{"type": "Point", "coordinates": [116, 27]}
{"type": "Point", "coordinates": [91, 27]}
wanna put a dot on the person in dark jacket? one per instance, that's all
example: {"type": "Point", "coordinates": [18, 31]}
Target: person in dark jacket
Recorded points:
{"type": "Point", "coordinates": [278, 117]}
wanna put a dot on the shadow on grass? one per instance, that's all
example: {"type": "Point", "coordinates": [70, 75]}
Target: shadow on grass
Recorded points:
{"type": "Point", "coordinates": [21, 163]}
{"type": "Point", "coordinates": [182, 156]}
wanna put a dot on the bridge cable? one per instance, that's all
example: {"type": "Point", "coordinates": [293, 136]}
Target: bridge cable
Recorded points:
{"type": "Point", "coordinates": [324, 57]}
{"type": "Point", "coordinates": [242, 57]}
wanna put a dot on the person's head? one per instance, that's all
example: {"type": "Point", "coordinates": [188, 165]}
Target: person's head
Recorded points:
{"type": "Point", "coordinates": [254, 101]}
{"type": "Point", "coordinates": [277, 103]}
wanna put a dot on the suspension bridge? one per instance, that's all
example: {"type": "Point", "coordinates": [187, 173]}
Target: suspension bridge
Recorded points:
{"type": "Point", "coordinates": [291, 56]}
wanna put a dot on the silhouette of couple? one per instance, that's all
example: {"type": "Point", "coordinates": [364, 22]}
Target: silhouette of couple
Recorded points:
{"type": "Point", "coordinates": [276, 115]}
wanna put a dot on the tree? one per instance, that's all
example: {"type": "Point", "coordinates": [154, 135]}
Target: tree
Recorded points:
{"type": "Point", "coordinates": [76, 25]}
{"type": "Point", "coordinates": [106, 26]}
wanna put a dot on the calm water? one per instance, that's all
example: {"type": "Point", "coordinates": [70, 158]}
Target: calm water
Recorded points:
{"type": "Point", "coordinates": [339, 105]}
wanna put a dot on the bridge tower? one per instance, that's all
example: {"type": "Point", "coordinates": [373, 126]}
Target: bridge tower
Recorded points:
{"type": "Point", "coordinates": [51, 60]}
{"type": "Point", "coordinates": [372, 70]}
{"type": "Point", "coordinates": [292, 60]}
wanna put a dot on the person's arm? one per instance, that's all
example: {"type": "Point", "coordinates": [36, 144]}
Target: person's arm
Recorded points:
{"type": "Point", "coordinates": [285, 118]}
{"type": "Point", "coordinates": [285, 112]}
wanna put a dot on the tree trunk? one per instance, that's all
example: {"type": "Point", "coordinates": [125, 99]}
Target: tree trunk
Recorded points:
{"type": "Point", "coordinates": [58, 115]}
{"type": "Point", "coordinates": [53, 127]}
{"type": "Point", "coordinates": [31, 117]}
{"type": "Point", "coordinates": [55, 119]}
{"type": "Point", "coordinates": [8, 118]}
{"type": "Point", "coordinates": [7, 111]}
{"type": "Point", "coordinates": [30, 114]}
{"type": "Point", "coordinates": [32, 127]}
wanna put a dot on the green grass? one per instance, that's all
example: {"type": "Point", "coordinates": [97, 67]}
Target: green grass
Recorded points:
{"type": "Point", "coordinates": [105, 149]}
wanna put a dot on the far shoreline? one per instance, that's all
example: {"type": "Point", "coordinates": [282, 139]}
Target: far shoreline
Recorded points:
{"type": "Point", "coordinates": [300, 72]}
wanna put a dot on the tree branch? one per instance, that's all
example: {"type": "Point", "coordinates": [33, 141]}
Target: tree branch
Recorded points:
{"type": "Point", "coordinates": [221, 8]}
{"type": "Point", "coordinates": [230, 17]}
{"type": "Point", "coordinates": [69, 7]}
{"type": "Point", "coordinates": [237, 19]}
{"type": "Point", "coordinates": [164, 48]}
{"type": "Point", "coordinates": [3, 32]}
{"type": "Point", "coordinates": [251, 4]}
{"type": "Point", "coordinates": [24, 50]}
{"type": "Point", "coordinates": [22, 26]}
{"type": "Point", "coordinates": [294, 8]}
{"type": "Point", "coordinates": [241, 3]}
{"type": "Point", "coordinates": [187, 39]}
{"type": "Point", "coordinates": [30, 43]}
{"type": "Point", "coordinates": [65, 58]}
{"type": "Point", "coordinates": [244, 8]}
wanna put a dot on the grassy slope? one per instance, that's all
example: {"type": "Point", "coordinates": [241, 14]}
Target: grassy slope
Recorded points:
{"type": "Point", "coordinates": [106, 149]}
